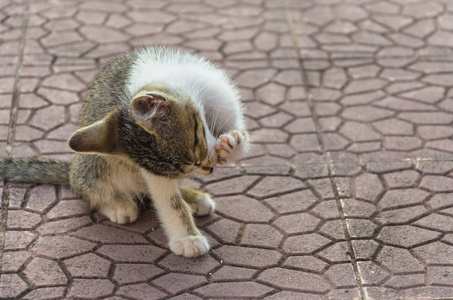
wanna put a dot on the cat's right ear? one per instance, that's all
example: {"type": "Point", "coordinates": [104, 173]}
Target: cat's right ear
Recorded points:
{"type": "Point", "coordinates": [100, 137]}
{"type": "Point", "coordinates": [149, 108]}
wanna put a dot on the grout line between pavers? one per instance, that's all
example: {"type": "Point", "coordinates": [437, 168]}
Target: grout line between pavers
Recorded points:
{"type": "Point", "coordinates": [12, 124]}
{"type": "Point", "coordinates": [16, 86]}
{"type": "Point", "coordinates": [326, 155]}
{"type": "Point", "coordinates": [347, 234]}
{"type": "Point", "coordinates": [305, 81]}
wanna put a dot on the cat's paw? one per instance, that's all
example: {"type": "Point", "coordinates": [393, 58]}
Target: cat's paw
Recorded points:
{"type": "Point", "coordinates": [189, 246]}
{"type": "Point", "coordinates": [120, 212]}
{"type": "Point", "coordinates": [231, 145]}
{"type": "Point", "coordinates": [203, 205]}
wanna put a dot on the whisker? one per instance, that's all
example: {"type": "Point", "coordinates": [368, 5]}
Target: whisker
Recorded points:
{"type": "Point", "coordinates": [213, 122]}
{"type": "Point", "coordinates": [216, 127]}
{"type": "Point", "coordinates": [224, 121]}
{"type": "Point", "coordinates": [141, 194]}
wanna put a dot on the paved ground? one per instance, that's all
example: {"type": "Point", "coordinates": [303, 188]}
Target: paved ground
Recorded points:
{"type": "Point", "coordinates": [347, 194]}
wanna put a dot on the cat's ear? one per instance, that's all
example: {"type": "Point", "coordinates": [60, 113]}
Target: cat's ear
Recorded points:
{"type": "Point", "coordinates": [149, 107]}
{"type": "Point", "coordinates": [100, 137]}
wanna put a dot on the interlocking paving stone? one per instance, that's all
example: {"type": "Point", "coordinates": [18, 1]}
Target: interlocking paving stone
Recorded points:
{"type": "Point", "coordinates": [131, 253]}
{"type": "Point", "coordinates": [61, 247]}
{"type": "Point", "coordinates": [68, 208]}
{"type": "Point", "coordinates": [12, 261]}
{"type": "Point", "coordinates": [233, 273]}
{"type": "Point", "coordinates": [372, 273]}
{"type": "Point", "coordinates": [45, 272]}
{"type": "Point", "coordinates": [248, 257]}
{"type": "Point", "coordinates": [63, 226]}
{"type": "Point", "coordinates": [346, 193]}
{"type": "Point", "coordinates": [244, 209]}
{"type": "Point", "coordinates": [201, 265]}
{"type": "Point", "coordinates": [175, 282]}
{"type": "Point", "coordinates": [92, 288]}
{"type": "Point", "coordinates": [261, 235]}
{"type": "Point", "coordinates": [140, 291]}
{"type": "Point", "coordinates": [46, 293]}
{"type": "Point", "coordinates": [132, 273]}
{"type": "Point", "coordinates": [341, 275]}
{"type": "Point", "coordinates": [304, 244]}
{"type": "Point", "coordinates": [268, 186]}
{"type": "Point", "coordinates": [292, 202]}
{"type": "Point", "coordinates": [11, 285]}
{"type": "Point", "coordinates": [22, 219]}
{"type": "Point", "coordinates": [291, 279]}
{"type": "Point", "coordinates": [42, 198]}
{"type": "Point", "coordinates": [235, 185]}
{"type": "Point", "coordinates": [297, 224]}
{"type": "Point", "coordinates": [88, 265]}
{"type": "Point", "coordinates": [435, 253]}
{"type": "Point", "coordinates": [186, 297]}
{"type": "Point", "coordinates": [106, 234]}
{"type": "Point", "coordinates": [404, 197]}
{"type": "Point", "coordinates": [18, 240]}
{"type": "Point", "coordinates": [226, 230]}
{"type": "Point", "coordinates": [406, 236]}
{"type": "Point", "coordinates": [234, 289]}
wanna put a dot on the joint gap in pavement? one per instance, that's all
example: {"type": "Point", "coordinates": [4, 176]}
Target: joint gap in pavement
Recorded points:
{"type": "Point", "coordinates": [347, 234]}
{"type": "Point", "coordinates": [16, 84]}
{"type": "Point", "coordinates": [4, 218]}
{"type": "Point", "coordinates": [305, 81]}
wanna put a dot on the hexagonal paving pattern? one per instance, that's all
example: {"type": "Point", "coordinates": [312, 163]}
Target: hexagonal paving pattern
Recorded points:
{"type": "Point", "coordinates": [346, 193]}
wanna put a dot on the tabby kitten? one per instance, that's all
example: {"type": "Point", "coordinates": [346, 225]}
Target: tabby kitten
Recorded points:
{"type": "Point", "coordinates": [151, 117]}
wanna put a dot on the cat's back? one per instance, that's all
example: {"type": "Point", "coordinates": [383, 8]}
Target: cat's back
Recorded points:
{"type": "Point", "coordinates": [127, 73]}
{"type": "Point", "coordinates": [107, 91]}
{"type": "Point", "coordinates": [194, 75]}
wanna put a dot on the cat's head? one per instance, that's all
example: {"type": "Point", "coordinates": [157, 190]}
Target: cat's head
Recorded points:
{"type": "Point", "coordinates": [161, 130]}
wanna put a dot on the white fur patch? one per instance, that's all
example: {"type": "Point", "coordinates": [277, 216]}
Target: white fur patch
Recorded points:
{"type": "Point", "coordinates": [204, 206]}
{"type": "Point", "coordinates": [120, 212]}
{"type": "Point", "coordinates": [189, 246]}
{"type": "Point", "coordinates": [208, 87]}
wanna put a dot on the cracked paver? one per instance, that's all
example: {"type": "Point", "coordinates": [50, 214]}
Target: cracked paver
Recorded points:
{"type": "Point", "coordinates": [346, 193]}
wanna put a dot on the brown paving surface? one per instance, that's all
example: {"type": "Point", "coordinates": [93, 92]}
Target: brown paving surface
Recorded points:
{"type": "Point", "coordinates": [348, 192]}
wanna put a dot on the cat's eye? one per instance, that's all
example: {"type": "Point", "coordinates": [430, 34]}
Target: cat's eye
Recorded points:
{"type": "Point", "coordinates": [197, 164]}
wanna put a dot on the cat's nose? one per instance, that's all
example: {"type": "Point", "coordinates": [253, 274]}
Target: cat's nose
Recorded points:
{"type": "Point", "coordinates": [204, 170]}
{"type": "Point", "coordinates": [208, 170]}
{"type": "Point", "coordinates": [210, 162]}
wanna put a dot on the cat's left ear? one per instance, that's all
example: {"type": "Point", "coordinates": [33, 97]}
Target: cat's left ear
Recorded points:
{"type": "Point", "coordinates": [148, 108]}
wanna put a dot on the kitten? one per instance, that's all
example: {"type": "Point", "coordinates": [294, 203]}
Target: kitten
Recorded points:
{"type": "Point", "coordinates": [151, 117]}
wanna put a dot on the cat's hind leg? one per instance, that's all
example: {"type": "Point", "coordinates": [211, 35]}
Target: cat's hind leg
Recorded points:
{"type": "Point", "coordinates": [120, 211]}
{"type": "Point", "coordinates": [200, 203]}
{"type": "Point", "coordinates": [119, 208]}
{"type": "Point", "coordinates": [232, 145]}
{"type": "Point", "coordinates": [108, 185]}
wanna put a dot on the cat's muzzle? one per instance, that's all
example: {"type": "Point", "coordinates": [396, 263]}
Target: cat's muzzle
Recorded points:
{"type": "Point", "coordinates": [205, 170]}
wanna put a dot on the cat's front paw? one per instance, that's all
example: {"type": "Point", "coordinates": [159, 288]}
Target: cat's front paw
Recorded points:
{"type": "Point", "coordinates": [189, 246]}
{"type": "Point", "coordinates": [120, 212]}
{"type": "Point", "coordinates": [203, 206]}
{"type": "Point", "coordinates": [230, 146]}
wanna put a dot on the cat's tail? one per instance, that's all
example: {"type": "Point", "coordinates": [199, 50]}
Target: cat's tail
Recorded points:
{"type": "Point", "coordinates": [35, 170]}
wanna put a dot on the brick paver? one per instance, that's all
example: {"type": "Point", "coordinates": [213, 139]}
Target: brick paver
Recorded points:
{"type": "Point", "coordinates": [346, 194]}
